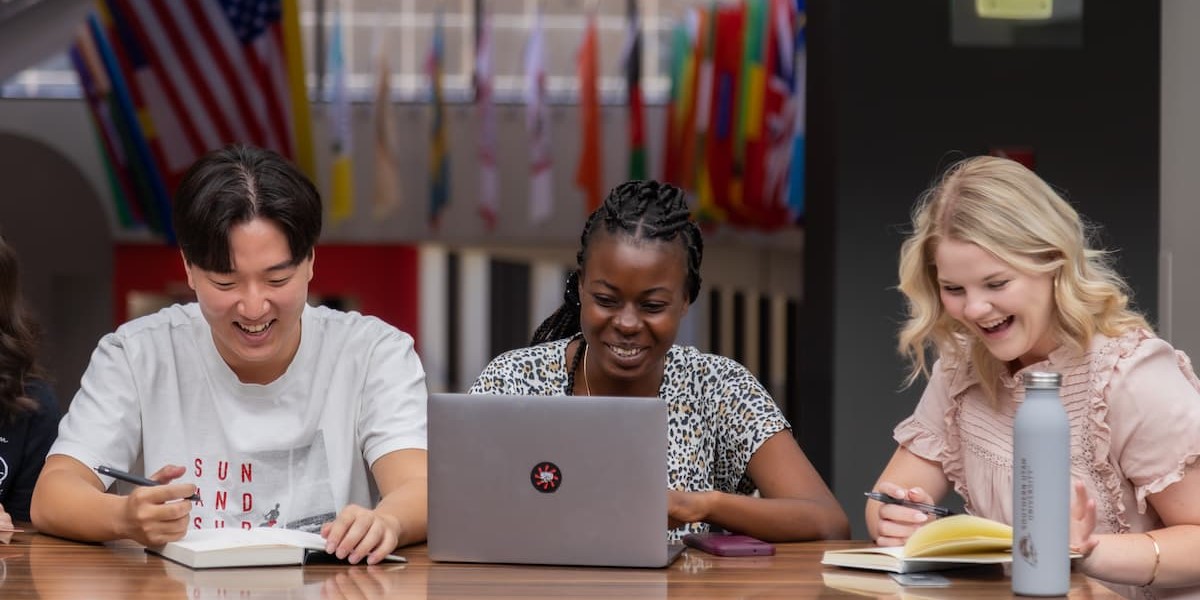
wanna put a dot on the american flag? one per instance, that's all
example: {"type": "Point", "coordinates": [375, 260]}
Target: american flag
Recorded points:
{"type": "Point", "coordinates": [205, 73]}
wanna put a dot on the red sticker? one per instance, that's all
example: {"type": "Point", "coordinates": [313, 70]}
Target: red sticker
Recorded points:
{"type": "Point", "coordinates": [546, 477]}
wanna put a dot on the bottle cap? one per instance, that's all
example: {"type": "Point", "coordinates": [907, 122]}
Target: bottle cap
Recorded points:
{"type": "Point", "coordinates": [1042, 380]}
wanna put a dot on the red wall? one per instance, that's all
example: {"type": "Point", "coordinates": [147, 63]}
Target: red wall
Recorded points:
{"type": "Point", "coordinates": [381, 280]}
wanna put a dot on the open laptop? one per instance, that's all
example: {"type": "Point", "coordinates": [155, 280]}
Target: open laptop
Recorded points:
{"type": "Point", "coordinates": [548, 480]}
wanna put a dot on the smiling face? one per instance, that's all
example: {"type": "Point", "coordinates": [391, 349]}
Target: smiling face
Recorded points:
{"type": "Point", "coordinates": [632, 298]}
{"type": "Point", "coordinates": [254, 310]}
{"type": "Point", "coordinates": [1009, 310]}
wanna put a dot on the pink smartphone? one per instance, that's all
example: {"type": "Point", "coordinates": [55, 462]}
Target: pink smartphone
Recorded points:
{"type": "Point", "coordinates": [728, 544]}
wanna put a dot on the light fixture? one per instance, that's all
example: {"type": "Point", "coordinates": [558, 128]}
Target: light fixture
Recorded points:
{"type": "Point", "coordinates": [1028, 10]}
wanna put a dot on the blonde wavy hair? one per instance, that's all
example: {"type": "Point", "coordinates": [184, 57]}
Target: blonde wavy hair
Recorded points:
{"type": "Point", "coordinates": [1006, 209]}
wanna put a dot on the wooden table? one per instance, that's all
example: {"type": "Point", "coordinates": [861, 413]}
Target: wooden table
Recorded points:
{"type": "Point", "coordinates": [37, 566]}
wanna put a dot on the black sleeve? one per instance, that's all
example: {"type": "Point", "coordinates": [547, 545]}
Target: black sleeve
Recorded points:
{"type": "Point", "coordinates": [40, 432]}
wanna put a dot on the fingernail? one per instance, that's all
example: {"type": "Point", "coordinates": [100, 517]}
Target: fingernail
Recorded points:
{"type": "Point", "coordinates": [922, 517]}
{"type": "Point", "coordinates": [329, 548]}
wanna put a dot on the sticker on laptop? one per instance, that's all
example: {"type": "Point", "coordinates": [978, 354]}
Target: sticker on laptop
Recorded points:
{"type": "Point", "coordinates": [546, 477]}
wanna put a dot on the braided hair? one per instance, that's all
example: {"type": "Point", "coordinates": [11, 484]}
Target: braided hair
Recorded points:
{"type": "Point", "coordinates": [645, 210]}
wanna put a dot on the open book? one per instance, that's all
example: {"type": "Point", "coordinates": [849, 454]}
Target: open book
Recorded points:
{"type": "Point", "coordinates": [949, 542]}
{"type": "Point", "coordinates": [257, 547]}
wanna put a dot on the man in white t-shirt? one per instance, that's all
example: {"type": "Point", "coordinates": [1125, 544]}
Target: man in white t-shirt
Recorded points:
{"type": "Point", "coordinates": [272, 412]}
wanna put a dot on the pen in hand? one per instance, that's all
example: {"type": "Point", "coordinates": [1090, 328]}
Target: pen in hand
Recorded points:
{"type": "Point", "coordinates": [135, 479]}
{"type": "Point", "coordinates": [932, 509]}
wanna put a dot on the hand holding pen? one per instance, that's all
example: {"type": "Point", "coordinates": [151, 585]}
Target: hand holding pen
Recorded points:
{"type": "Point", "coordinates": [902, 511]}
{"type": "Point", "coordinates": [152, 514]}
{"type": "Point", "coordinates": [929, 509]}
{"type": "Point", "coordinates": [136, 479]}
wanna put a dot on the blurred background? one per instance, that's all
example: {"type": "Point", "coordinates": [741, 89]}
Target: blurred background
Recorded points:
{"type": "Point", "coordinates": [458, 145]}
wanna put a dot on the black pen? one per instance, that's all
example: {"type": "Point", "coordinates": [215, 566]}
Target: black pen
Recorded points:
{"type": "Point", "coordinates": [933, 509]}
{"type": "Point", "coordinates": [135, 479]}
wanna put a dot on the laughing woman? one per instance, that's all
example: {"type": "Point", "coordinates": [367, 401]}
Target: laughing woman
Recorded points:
{"type": "Point", "coordinates": [1000, 281]}
{"type": "Point", "coordinates": [638, 272]}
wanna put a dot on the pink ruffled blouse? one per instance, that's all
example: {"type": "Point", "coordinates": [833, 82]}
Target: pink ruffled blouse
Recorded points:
{"type": "Point", "coordinates": [1134, 407]}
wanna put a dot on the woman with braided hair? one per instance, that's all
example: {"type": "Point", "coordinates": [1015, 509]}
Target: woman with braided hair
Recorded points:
{"type": "Point", "coordinates": [638, 272]}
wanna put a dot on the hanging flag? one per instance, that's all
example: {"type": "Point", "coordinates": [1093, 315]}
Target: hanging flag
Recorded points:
{"type": "Point", "coordinates": [783, 117]}
{"type": "Point", "coordinates": [727, 53]}
{"type": "Point", "coordinates": [537, 125]}
{"type": "Point", "coordinates": [341, 196]}
{"type": "Point", "coordinates": [181, 79]}
{"type": "Point", "coordinates": [796, 180]}
{"type": "Point", "coordinates": [209, 73]}
{"type": "Point", "coordinates": [679, 134]}
{"type": "Point", "coordinates": [633, 90]}
{"type": "Point", "coordinates": [439, 162]}
{"type": "Point", "coordinates": [489, 181]}
{"type": "Point", "coordinates": [296, 94]}
{"type": "Point", "coordinates": [589, 174]}
{"type": "Point", "coordinates": [116, 126]}
{"type": "Point", "coordinates": [387, 196]}
{"type": "Point", "coordinates": [707, 212]}
{"type": "Point", "coordinates": [745, 183]}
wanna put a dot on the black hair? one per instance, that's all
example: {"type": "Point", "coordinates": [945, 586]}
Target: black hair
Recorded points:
{"type": "Point", "coordinates": [234, 185]}
{"type": "Point", "coordinates": [18, 341]}
{"type": "Point", "coordinates": [642, 210]}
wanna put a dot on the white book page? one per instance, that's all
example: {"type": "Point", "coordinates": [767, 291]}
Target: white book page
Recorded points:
{"type": "Point", "coordinates": [202, 540]}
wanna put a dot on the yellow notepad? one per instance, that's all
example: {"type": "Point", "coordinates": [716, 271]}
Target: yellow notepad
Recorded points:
{"type": "Point", "coordinates": [955, 541]}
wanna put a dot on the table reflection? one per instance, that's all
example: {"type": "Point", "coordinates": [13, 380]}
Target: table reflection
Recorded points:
{"type": "Point", "coordinates": [47, 568]}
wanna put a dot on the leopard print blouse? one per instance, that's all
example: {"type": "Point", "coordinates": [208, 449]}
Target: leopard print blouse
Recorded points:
{"type": "Point", "coordinates": [717, 417]}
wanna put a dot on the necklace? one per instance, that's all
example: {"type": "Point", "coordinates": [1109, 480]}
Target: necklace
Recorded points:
{"type": "Point", "coordinates": [587, 388]}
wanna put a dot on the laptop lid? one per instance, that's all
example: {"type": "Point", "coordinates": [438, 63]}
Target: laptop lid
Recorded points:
{"type": "Point", "coordinates": [569, 480]}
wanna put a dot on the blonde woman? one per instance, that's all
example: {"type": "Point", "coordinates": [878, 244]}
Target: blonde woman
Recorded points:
{"type": "Point", "coordinates": [1000, 279]}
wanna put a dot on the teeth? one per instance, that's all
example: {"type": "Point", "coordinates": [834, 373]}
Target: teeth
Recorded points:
{"type": "Point", "coordinates": [255, 329]}
{"type": "Point", "coordinates": [626, 352]}
{"type": "Point", "coordinates": [993, 324]}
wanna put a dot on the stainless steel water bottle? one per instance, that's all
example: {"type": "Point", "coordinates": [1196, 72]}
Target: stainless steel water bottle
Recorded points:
{"type": "Point", "coordinates": [1041, 490]}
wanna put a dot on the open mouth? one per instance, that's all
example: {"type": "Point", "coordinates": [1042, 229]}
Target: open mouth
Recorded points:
{"type": "Point", "coordinates": [997, 325]}
{"type": "Point", "coordinates": [255, 329]}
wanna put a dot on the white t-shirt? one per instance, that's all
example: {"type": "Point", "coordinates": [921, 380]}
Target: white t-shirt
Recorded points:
{"type": "Point", "coordinates": [289, 453]}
